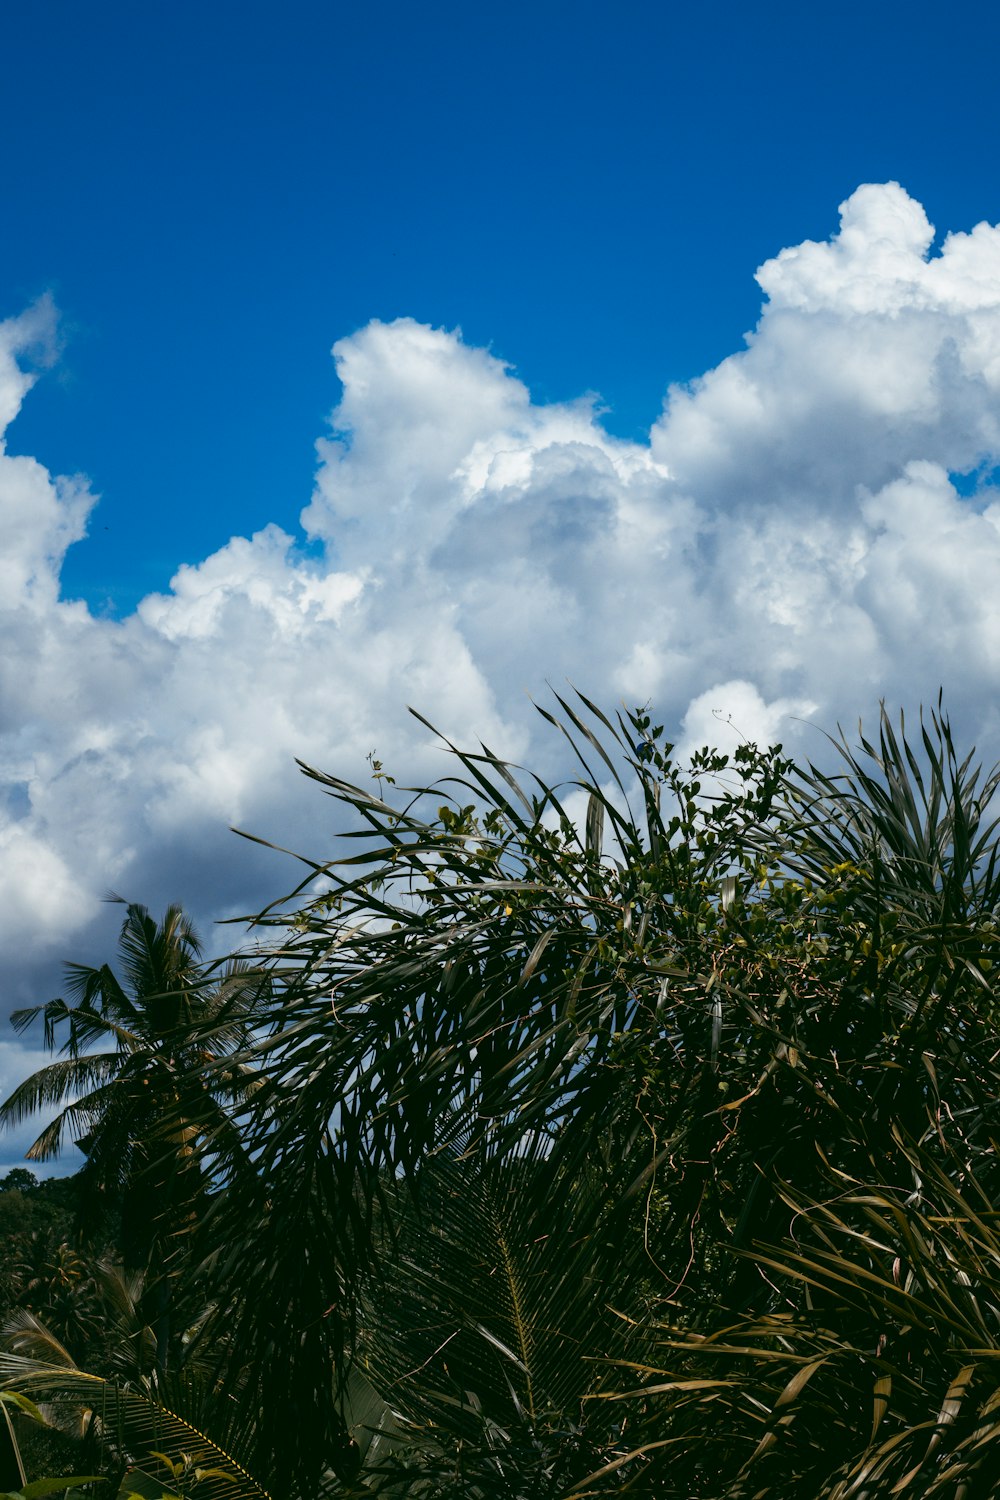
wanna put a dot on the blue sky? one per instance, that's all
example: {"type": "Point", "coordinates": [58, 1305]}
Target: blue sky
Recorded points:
{"type": "Point", "coordinates": [721, 430]}
{"type": "Point", "coordinates": [214, 192]}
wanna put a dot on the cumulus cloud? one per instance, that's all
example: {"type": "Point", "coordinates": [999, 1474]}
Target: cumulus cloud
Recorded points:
{"type": "Point", "coordinates": [788, 545]}
{"type": "Point", "coordinates": [41, 516]}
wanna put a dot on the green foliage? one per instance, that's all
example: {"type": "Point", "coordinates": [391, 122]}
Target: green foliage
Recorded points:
{"type": "Point", "coordinates": [144, 1109]}
{"type": "Point", "coordinates": [16, 1403]}
{"type": "Point", "coordinates": [18, 1179]}
{"type": "Point", "coordinates": [35, 1217]}
{"type": "Point", "coordinates": [479, 986]}
{"type": "Point", "coordinates": [637, 1134]}
{"type": "Point", "coordinates": [134, 1425]}
{"type": "Point", "coordinates": [41, 1487]}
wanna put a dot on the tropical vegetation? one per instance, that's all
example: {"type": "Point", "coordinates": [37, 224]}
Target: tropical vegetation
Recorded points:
{"type": "Point", "coordinates": [632, 1135]}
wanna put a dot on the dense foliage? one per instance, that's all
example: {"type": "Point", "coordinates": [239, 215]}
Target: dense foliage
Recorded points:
{"type": "Point", "coordinates": [632, 1136]}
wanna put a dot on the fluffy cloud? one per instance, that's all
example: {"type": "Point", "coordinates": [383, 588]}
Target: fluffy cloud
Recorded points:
{"type": "Point", "coordinates": [788, 545]}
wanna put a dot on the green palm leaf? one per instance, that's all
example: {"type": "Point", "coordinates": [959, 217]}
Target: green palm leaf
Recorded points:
{"type": "Point", "coordinates": [131, 1422]}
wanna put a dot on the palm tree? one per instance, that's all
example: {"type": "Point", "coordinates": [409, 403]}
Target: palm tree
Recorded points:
{"type": "Point", "coordinates": [489, 974]}
{"type": "Point", "coordinates": [577, 1142]}
{"type": "Point", "coordinates": [121, 1408]}
{"type": "Point", "coordinates": [680, 1014]}
{"type": "Point", "coordinates": [151, 1108]}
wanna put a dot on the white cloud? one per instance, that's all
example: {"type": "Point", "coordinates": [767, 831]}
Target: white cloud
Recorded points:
{"type": "Point", "coordinates": [734, 713]}
{"type": "Point", "coordinates": [788, 545]}
{"type": "Point", "coordinates": [39, 895]}
{"type": "Point", "coordinates": [41, 516]}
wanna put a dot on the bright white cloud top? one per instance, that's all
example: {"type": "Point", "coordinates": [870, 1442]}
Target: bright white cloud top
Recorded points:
{"type": "Point", "coordinates": [788, 545]}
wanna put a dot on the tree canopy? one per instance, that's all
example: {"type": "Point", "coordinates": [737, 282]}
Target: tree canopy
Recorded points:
{"type": "Point", "coordinates": [633, 1134]}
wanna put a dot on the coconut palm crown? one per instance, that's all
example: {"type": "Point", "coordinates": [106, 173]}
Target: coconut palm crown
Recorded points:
{"type": "Point", "coordinates": [145, 1105]}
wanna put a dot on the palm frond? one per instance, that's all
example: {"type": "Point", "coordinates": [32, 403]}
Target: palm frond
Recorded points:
{"type": "Point", "coordinates": [496, 1292]}
{"type": "Point", "coordinates": [132, 1423]}
{"type": "Point", "coordinates": [484, 967]}
{"type": "Point", "coordinates": [52, 1084]}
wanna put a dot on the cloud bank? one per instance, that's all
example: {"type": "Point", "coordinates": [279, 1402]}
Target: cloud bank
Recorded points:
{"type": "Point", "coordinates": [789, 545]}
